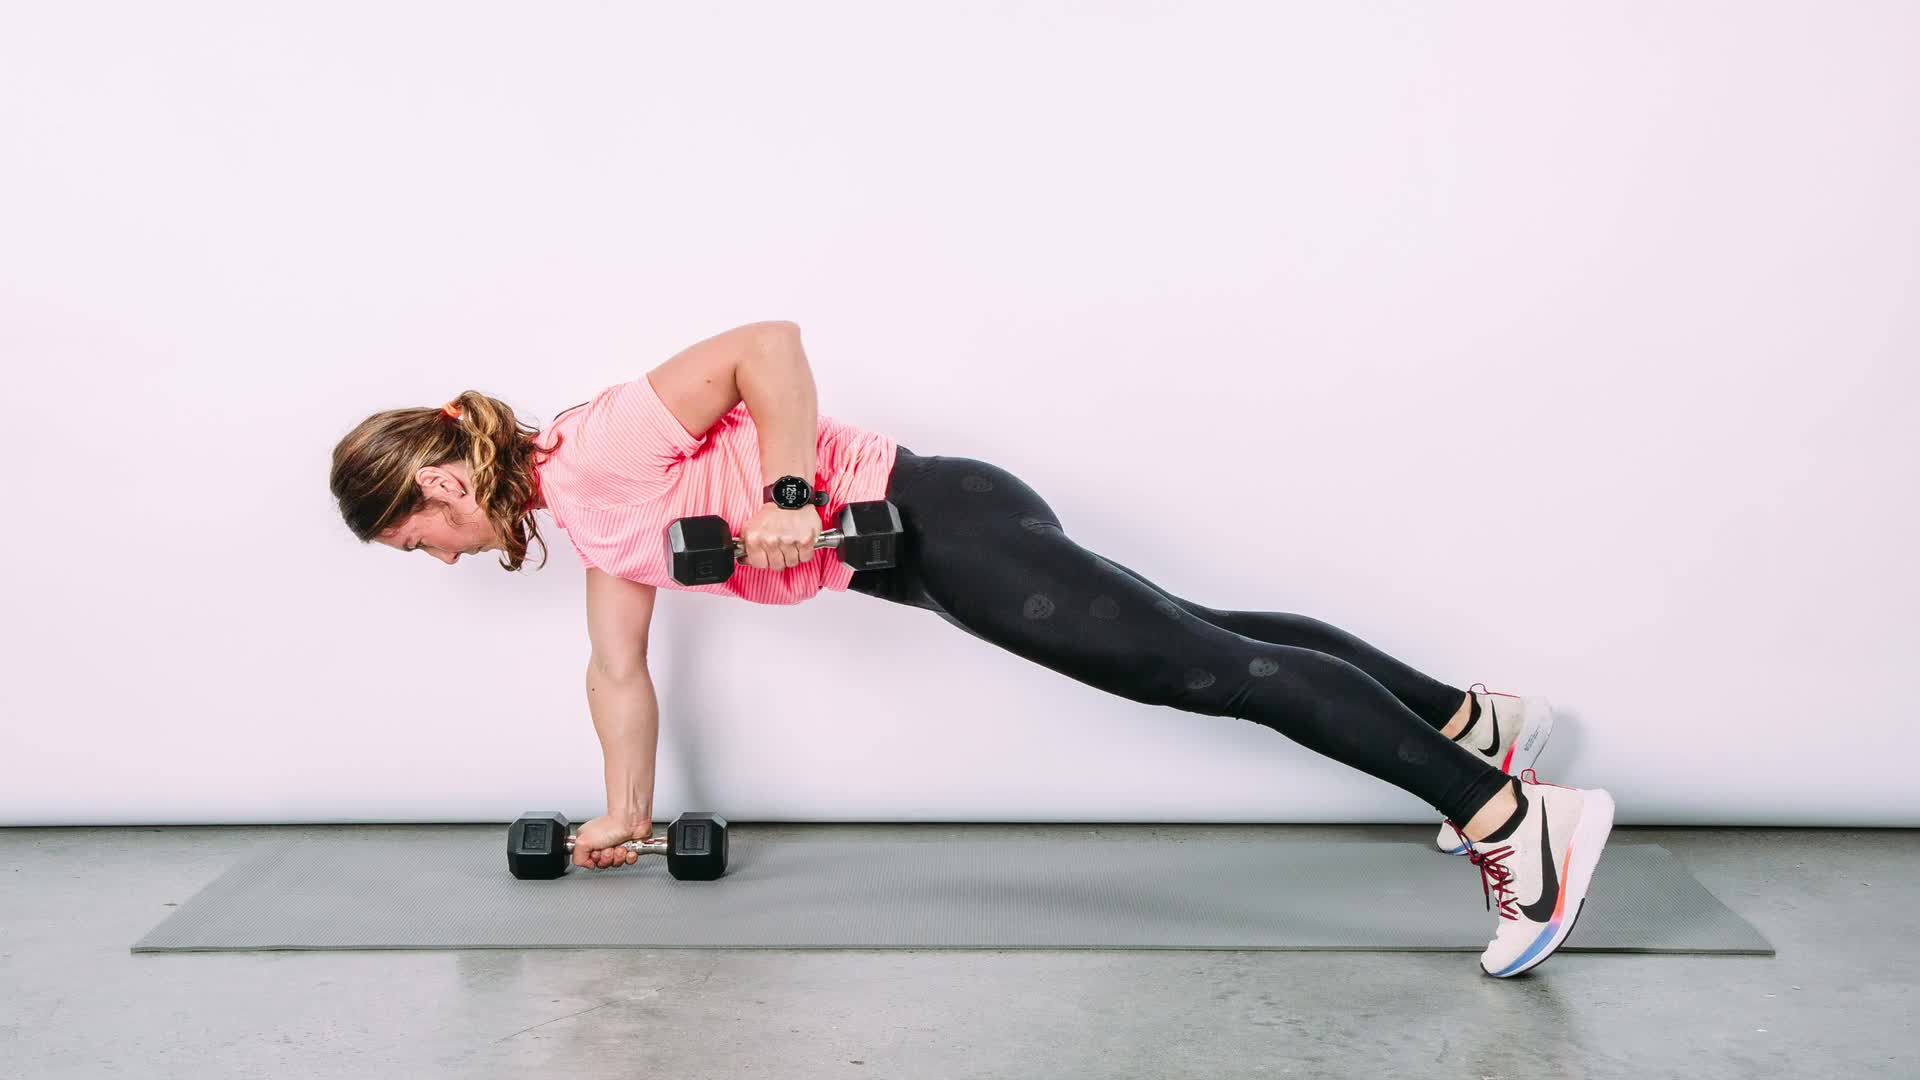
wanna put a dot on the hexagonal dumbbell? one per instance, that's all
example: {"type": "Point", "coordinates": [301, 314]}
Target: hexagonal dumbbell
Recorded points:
{"type": "Point", "coordinates": [540, 846]}
{"type": "Point", "coordinates": [704, 551]}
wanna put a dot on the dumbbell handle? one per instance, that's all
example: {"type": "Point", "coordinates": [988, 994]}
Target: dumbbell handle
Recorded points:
{"type": "Point", "coordinates": [654, 846]}
{"type": "Point", "coordinates": [830, 538]}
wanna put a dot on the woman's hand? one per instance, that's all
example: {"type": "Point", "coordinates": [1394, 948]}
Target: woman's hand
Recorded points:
{"type": "Point", "coordinates": [779, 539]}
{"type": "Point", "coordinates": [597, 845]}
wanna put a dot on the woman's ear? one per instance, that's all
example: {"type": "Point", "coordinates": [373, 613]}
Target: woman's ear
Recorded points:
{"type": "Point", "coordinates": [440, 483]}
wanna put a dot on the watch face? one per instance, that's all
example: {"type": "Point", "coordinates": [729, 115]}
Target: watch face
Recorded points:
{"type": "Point", "coordinates": [790, 492]}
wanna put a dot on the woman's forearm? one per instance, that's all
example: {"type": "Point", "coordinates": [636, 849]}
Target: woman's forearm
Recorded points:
{"type": "Point", "coordinates": [627, 715]}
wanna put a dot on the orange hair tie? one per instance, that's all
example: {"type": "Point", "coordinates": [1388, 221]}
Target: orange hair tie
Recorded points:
{"type": "Point", "coordinates": [451, 410]}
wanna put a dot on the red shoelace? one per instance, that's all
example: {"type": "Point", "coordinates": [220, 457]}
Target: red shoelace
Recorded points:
{"type": "Point", "coordinates": [1496, 877]}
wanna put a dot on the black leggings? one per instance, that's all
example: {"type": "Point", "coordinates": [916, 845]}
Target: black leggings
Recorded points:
{"type": "Point", "coordinates": [988, 554]}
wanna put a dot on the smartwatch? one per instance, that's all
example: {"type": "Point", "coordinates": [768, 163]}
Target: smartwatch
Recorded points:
{"type": "Point", "coordinates": [792, 493]}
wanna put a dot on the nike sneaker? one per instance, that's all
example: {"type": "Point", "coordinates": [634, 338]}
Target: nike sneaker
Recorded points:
{"type": "Point", "coordinates": [1536, 877]}
{"type": "Point", "coordinates": [1510, 733]}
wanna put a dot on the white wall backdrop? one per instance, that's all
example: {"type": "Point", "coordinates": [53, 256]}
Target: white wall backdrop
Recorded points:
{"type": "Point", "coordinates": [1569, 350]}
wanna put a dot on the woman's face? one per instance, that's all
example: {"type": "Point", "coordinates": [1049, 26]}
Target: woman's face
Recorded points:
{"type": "Point", "coordinates": [451, 524]}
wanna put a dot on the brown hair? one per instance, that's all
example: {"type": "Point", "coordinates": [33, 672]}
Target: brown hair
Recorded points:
{"type": "Point", "coordinates": [374, 467]}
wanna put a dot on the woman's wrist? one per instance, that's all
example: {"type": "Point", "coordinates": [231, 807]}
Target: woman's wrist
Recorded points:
{"type": "Point", "coordinates": [630, 816]}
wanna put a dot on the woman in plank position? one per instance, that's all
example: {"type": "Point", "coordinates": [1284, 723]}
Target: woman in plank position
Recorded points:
{"type": "Point", "coordinates": [729, 427]}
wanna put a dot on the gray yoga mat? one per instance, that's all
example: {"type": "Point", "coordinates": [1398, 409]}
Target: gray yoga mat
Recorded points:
{"type": "Point", "coordinates": [441, 890]}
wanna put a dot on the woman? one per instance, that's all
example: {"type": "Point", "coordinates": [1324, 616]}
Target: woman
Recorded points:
{"type": "Point", "coordinates": [981, 549]}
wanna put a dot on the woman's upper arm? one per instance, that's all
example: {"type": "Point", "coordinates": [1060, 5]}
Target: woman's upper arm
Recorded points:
{"type": "Point", "coordinates": [698, 384]}
{"type": "Point", "coordinates": [618, 615]}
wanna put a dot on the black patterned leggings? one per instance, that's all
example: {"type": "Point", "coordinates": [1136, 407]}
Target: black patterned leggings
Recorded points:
{"type": "Point", "coordinates": [988, 554]}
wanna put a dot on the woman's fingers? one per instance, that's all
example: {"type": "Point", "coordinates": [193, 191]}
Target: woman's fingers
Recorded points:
{"type": "Point", "coordinates": [607, 858]}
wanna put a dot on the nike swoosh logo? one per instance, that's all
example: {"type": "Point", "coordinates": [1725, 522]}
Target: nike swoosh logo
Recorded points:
{"type": "Point", "coordinates": [1493, 721]}
{"type": "Point", "coordinates": [1541, 910]}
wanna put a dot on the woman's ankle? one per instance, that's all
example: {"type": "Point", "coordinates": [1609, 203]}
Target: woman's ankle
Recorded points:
{"type": "Point", "coordinates": [1458, 724]}
{"type": "Point", "coordinates": [1497, 812]}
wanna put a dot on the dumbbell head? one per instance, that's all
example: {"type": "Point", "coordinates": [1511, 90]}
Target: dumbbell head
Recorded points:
{"type": "Point", "coordinates": [701, 550]}
{"type": "Point", "coordinates": [869, 535]}
{"type": "Point", "coordinates": [697, 847]}
{"type": "Point", "coordinates": [537, 845]}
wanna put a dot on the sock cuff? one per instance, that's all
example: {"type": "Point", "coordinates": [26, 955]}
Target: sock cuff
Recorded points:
{"type": "Point", "coordinates": [1473, 717]}
{"type": "Point", "coordinates": [1520, 811]}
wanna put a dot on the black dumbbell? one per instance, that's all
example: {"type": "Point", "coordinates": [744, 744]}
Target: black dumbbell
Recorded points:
{"type": "Point", "coordinates": [704, 551]}
{"type": "Point", "coordinates": [539, 846]}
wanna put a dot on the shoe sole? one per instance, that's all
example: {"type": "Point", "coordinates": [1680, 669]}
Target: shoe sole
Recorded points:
{"type": "Point", "coordinates": [1583, 855]}
{"type": "Point", "coordinates": [1517, 762]}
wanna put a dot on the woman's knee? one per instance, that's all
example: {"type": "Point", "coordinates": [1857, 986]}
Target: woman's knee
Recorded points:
{"type": "Point", "coordinates": [1276, 681]}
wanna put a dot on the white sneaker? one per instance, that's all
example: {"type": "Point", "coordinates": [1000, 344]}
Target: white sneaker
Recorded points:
{"type": "Point", "coordinates": [1511, 732]}
{"type": "Point", "coordinates": [1537, 877]}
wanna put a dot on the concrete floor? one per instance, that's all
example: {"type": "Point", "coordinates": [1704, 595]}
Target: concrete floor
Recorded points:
{"type": "Point", "coordinates": [1839, 999]}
